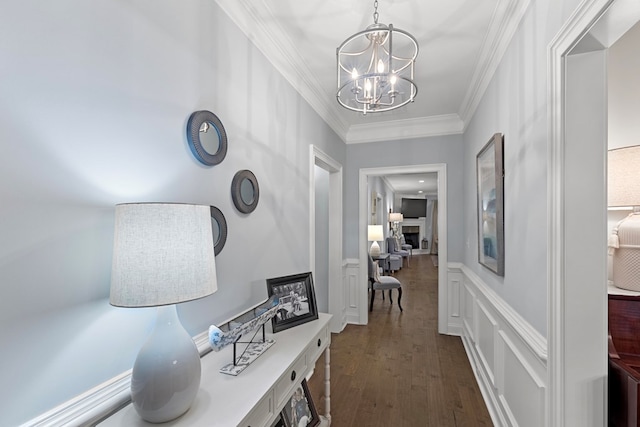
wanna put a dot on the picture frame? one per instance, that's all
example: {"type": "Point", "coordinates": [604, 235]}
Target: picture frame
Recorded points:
{"type": "Point", "coordinates": [297, 300]}
{"type": "Point", "coordinates": [300, 411]}
{"type": "Point", "coordinates": [490, 180]}
{"type": "Point", "coordinates": [279, 421]}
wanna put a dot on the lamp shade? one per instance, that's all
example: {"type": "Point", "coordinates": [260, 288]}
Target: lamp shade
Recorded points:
{"type": "Point", "coordinates": [374, 233]}
{"type": "Point", "coordinates": [396, 217]}
{"type": "Point", "coordinates": [163, 253]}
{"type": "Point", "coordinates": [624, 177]}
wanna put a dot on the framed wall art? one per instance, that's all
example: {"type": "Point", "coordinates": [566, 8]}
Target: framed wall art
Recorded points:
{"type": "Point", "coordinates": [490, 176]}
{"type": "Point", "coordinates": [297, 300]}
{"type": "Point", "coordinates": [207, 137]}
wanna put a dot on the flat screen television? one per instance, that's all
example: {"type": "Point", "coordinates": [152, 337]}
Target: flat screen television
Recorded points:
{"type": "Point", "coordinates": [414, 208]}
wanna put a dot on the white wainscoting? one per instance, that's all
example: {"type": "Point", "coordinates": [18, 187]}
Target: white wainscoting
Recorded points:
{"type": "Point", "coordinates": [508, 356]}
{"type": "Point", "coordinates": [454, 285]}
{"type": "Point", "coordinates": [350, 277]}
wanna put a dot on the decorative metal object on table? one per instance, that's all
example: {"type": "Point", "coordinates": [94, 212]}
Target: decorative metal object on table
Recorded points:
{"type": "Point", "coordinates": [207, 137]}
{"type": "Point", "coordinates": [232, 331]}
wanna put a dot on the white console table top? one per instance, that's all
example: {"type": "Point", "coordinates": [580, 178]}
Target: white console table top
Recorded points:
{"type": "Point", "coordinates": [225, 400]}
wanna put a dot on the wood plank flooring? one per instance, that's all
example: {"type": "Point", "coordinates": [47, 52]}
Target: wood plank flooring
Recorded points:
{"type": "Point", "coordinates": [397, 370]}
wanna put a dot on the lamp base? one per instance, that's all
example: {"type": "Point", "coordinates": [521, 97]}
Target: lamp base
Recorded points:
{"type": "Point", "coordinates": [166, 374]}
{"type": "Point", "coordinates": [626, 258]}
{"type": "Point", "coordinates": [375, 249]}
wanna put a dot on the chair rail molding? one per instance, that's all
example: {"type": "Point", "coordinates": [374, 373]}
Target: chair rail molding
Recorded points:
{"type": "Point", "coordinates": [101, 401]}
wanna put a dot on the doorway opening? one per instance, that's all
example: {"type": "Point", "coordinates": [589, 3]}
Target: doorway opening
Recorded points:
{"type": "Point", "coordinates": [577, 270]}
{"type": "Point", "coordinates": [441, 170]}
{"type": "Point", "coordinates": [325, 250]}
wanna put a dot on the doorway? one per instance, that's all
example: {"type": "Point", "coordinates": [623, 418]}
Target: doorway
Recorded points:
{"type": "Point", "coordinates": [441, 170]}
{"type": "Point", "coordinates": [325, 251]}
{"type": "Point", "coordinates": [577, 362]}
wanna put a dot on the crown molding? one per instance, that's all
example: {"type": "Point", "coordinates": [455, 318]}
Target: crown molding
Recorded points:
{"type": "Point", "coordinates": [446, 124]}
{"type": "Point", "coordinates": [270, 38]}
{"type": "Point", "coordinates": [504, 23]}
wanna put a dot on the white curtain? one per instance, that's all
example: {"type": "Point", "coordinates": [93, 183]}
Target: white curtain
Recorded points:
{"type": "Point", "coordinates": [434, 229]}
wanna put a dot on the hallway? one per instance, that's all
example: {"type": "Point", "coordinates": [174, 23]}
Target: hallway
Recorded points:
{"type": "Point", "coordinates": [398, 371]}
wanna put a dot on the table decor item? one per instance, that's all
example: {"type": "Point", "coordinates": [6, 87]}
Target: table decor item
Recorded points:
{"type": "Point", "coordinates": [300, 409]}
{"type": "Point", "coordinates": [163, 255]}
{"type": "Point", "coordinates": [232, 331]}
{"type": "Point", "coordinates": [297, 300]}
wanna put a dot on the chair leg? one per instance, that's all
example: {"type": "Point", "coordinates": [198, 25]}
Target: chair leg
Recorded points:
{"type": "Point", "coordinates": [373, 295]}
{"type": "Point", "coordinates": [390, 298]}
{"type": "Point", "coordinates": [399, 298]}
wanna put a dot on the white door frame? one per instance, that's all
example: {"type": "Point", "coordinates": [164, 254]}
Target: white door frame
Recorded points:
{"type": "Point", "coordinates": [337, 299]}
{"type": "Point", "coordinates": [562, 298]}
{"type": "Point", "coordinates": [441, 170]}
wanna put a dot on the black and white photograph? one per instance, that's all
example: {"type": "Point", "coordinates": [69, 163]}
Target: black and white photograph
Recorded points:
{"type": "Point", "coordinates": [300, 410]}
{"type": "Point", "coordinates": [297, 301]}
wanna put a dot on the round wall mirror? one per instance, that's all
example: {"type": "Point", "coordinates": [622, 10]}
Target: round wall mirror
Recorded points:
{"type": "Point", "coordinates": [207, 138]}
{"type": "Point", "coordinates": [245, 191]}
{"type": "Point", "coordinates": [219, 229]}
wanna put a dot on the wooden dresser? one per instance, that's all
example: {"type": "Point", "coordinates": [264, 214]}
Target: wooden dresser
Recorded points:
{"type": "Point", "coordinates": [624, 359]}
{"type": "Point", "coordinates": [256, 396]}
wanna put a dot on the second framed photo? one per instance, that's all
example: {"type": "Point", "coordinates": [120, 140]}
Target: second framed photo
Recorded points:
{"type": "Point", "coordinates": [300, 411]}
{"type": "Point", "coordinates": [297, 300]}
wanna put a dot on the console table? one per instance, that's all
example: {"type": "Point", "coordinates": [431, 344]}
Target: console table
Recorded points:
{"type": "Point", "coordinates": [256, 396]}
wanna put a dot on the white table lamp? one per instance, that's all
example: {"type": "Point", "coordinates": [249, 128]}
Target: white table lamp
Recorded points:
{"type": "Point", "coordinates": [163, 254]}
{"type": "Point", "coordinates": [374, 233]}
{"type": "Point", "coordinates": [624, 191]}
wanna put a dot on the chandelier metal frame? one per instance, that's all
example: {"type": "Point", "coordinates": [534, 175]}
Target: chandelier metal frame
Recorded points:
{"type": "Point", "coordinates": [372, 77]}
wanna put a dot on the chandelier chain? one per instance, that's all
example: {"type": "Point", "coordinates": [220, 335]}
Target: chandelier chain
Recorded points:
{"type": "Point", "coordinates": [375, 11]}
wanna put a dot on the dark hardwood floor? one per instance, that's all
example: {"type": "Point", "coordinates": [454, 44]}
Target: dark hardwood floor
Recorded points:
{"type": "Point", "coordinates": [397, 370]}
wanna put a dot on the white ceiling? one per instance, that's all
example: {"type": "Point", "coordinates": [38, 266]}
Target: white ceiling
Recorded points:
{"type": "Point", "coordinates": [414, 184]}
{"type": "Point", "coordinates": [461, 43]}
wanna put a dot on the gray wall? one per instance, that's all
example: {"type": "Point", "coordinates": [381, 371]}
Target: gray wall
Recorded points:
{"type": "Point", "coordinates": [515, 104]}
{"type": "Point", "coordinates": [624, 90]}
{"type": "Point", "coordinates": [95, 97]}
{"type": "Point", "coordinates": [419, 151]}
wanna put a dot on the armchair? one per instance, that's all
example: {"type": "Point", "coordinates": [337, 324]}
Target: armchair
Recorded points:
{"type": "Point", "coordinates": [377, 282]}
{"type": "Point", "coordinates": [394, 249]}
{"type": "Point", "coordinates": [406, 246]}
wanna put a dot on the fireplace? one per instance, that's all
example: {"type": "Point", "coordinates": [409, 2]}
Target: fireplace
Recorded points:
{"type": "Point", "coordinates": [412, 235]}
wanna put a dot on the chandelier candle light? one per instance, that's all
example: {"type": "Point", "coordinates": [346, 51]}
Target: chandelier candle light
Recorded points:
{"type": "Point", "coordinates": [376, 68]}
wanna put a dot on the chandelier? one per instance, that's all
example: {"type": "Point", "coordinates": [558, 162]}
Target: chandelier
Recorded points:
{"type": "Point", "coordinates": [376, 67]}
